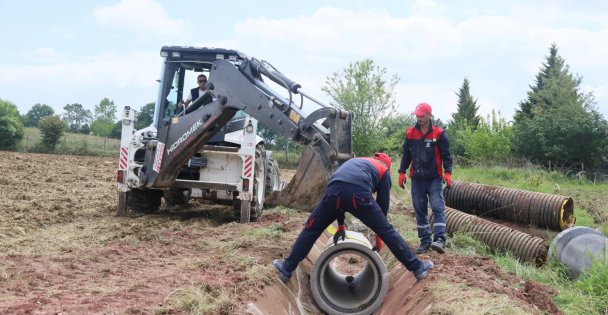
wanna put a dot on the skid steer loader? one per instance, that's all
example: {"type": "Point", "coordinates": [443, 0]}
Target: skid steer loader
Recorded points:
{"type": "Point", "coordinates": [211, 148]}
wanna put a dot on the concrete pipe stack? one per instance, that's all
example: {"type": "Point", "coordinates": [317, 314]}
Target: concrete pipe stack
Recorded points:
{"type": "Point", "coordinates": [555, 212]}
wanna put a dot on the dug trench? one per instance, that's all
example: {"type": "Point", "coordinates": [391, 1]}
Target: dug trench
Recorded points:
{"type": "Point", "coordinates": [63, 251]}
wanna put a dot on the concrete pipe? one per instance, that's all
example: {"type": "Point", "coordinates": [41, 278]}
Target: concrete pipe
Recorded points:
{"type": "Point", "coordinates": [518, 206]}
{"type": "Point", "coordinates": [349, 278]}
{"type": "Point", "coordinates": [577, 247]}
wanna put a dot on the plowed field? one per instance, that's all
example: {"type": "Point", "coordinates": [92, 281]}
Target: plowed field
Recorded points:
{"type": "Point", "coordinates": [63, 251]}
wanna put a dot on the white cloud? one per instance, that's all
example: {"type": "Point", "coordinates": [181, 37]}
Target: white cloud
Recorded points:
{"type": "Point", "coordinates": [45, 55]}
{"type": "Point", "coordinates": [120, 77]}
{"type": "Point", "coordinates": [430, 50]}
{"type": "Point", "coordinates": [139, 16]}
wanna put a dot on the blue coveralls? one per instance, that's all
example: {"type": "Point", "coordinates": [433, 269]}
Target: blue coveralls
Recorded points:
{"type": "Point", "coordinates": [428, 155]}
{"type": "Point", "coordinates": [350, 189]}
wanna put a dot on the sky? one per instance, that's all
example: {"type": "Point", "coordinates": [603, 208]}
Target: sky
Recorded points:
{"type": "Point", "coordinates": [64, 52]}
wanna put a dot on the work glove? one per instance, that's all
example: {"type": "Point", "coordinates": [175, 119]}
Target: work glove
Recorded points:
{"type": "Point", "coordinates": [378, 245]}
{"type": "Point", "coordinates": [340, 232]}
{"type": "Point", "coordinates": [447, 177]}
{"type": "Point", "coordinates": [402, 180]}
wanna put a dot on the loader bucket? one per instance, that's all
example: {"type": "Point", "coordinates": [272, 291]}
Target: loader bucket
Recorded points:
{"type": "Point", "coordinates": [306, 187]}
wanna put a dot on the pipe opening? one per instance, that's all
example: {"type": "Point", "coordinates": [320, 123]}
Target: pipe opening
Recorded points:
{"type": "Point", "coordinates": [567, 218]}
{"type": "Point", "coordinates": [349, 279]}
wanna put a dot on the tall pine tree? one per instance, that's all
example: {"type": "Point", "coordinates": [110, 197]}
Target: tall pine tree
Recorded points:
{"type": "Point", "coordinates": [558, 123]}
{"type": "Point", "coordinates": [466, 113]}
{"type": "Point", "coordinates": [465, 117]}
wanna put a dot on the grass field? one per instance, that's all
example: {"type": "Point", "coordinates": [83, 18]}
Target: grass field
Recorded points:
{"type": "Point", "coordinates": [72, 143]}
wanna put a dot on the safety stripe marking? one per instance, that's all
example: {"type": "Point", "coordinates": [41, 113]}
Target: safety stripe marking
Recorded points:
{"type": "Point", "coordinates": [248, 165]}
{"type": "Point", "coordinates": [424, 226]}
{"type": "Point", "coordinates": [123, 158]}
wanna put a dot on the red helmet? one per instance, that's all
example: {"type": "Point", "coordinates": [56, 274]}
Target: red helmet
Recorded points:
{"type": "Point", "coordinates": [384, 158]}
{"type": "Point", "coordinates": [422, 109]}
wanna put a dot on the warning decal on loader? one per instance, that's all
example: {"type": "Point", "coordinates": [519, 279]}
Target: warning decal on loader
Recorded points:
{"type": "Point", "coordinates": [158, 157]}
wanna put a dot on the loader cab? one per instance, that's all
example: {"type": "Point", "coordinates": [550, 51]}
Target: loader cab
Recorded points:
{"type": "Point", "coordinates": [178, 75]}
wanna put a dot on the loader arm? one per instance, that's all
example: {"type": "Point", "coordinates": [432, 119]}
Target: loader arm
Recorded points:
{"type": "Point", "coordinates": [239, 84]}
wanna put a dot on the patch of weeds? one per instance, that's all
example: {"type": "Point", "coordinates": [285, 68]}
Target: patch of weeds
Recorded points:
{"type": "Point", "coordinates": [260, 274]}
{"type": "Point", "coordinates": [201, 300]}
{"type": "Point", "coordinates": [458, 298]}
{"type": "Point", "coordinates": [463, 243]}
{"type": "Point", "coordinates": [504, 173]}
{"type": "Point", "coordinates": [272, 232]}
{"type": "Point", "coordinates": [594, 284]}
{"type": "Point", "coordinates": [239, 262]}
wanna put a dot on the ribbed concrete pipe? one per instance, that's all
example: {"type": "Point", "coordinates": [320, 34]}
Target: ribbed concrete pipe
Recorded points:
{"type": "Point", "coordinates": [577, 247]}
{"type": "Point", "coordinates": [519, 206]}
{"type": "Point", "coordinates": [525, 247]}
{"type": "Point", "coordinates": [338, 293]}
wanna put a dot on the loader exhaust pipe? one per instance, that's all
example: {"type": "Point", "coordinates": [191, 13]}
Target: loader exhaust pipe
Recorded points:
{"type": "Point", "coordinates": [349, 278]}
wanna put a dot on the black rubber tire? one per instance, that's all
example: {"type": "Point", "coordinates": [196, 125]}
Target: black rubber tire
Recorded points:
{"type": "Point", "coordinates": [257, 206]}
{"type": "Point", "coordinates": [272, 176]}
{"type": "Point", "coordinates": [146, 201]}
{"type": "Point", "coordinates": [177, 196]}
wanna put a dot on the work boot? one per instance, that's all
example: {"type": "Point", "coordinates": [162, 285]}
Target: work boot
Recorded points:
{"type": "Point", "coordinates": [284, 275]}
{"type": "Point", "coordinates": [438, 246]}
{"type": "Point", "coordinates": [423, 248]}
{"type": "Point", "coordinates": [423, 271]}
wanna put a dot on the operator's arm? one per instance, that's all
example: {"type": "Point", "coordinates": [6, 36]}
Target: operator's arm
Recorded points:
{"type": "Point", "coordinates": [383, 193]}
{"type": "Point", "coordinates": [444, 151]}
{"type": "Point", "coordinates": [188, 99]}
{"type": "Point", "coordinates": [406, 159]}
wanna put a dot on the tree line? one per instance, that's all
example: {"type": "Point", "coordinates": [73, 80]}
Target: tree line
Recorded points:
{"type": "Point", "coordinates": [557, 125]}
{"type": "Point", "coordinates": [75, 118]}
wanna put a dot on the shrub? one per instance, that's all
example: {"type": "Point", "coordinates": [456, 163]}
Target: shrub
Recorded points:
{"type": "Point", "coordinates": [51, 128]}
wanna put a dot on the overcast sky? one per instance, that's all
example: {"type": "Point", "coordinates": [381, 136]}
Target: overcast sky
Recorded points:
{"type": "Point", "coordinates": [64, 52]}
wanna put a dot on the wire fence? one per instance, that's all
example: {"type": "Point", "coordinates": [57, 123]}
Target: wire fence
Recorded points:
{"type": "Point", "coordinates": [74, 144]}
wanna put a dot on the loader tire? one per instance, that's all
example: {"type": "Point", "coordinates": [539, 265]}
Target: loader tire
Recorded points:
{"type": "Point", "coordinates": [259, 183]}
{"type": "Point", "coordinates": [145, 201]}
{"type": "Point", "coordinates": [177, 196]}
{"type": "Point", "coordinates": [251, 211]}
{"type": "Point", "coordinates": [272, 176]}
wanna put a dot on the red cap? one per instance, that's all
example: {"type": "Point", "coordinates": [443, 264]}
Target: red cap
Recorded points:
{"type": "Point", "coordinates": [422, 109]}
{"type": "Point", "coordinates": [384, 158]}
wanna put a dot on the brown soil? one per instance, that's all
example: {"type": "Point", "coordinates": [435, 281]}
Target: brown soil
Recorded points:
{"type": "Point", "coordinates": [63, 251]}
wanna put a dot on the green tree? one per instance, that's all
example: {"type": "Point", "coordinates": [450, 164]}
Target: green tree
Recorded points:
{"type": "Point", "coordinates": [75, 116]}
{"type": "Point", "coordinates": [85, 129]}
{"type": "Point", "coordinates": [464, 118]}
{"type": "Point", "coordinates": [558, 123]}
{"type": "Point", "coordinates": [11, 126]}
{"type": "Point", "coordinates": [105, 110]}
{"type": "Point", "coordinates": [395, 128]}
{"type": "Point", "coordinates": [52, 128]}
{"type": "Point", "coordinates": [101, 127]}
{"type": "Point", "coordinates": [488, 143]}
{"type": "Point", "coordinates": [116, 130]}
{"type": "Point", "coordinates": [37, 112]}
{"type": "Point", "coordinates": [362, 89]}
{"type": "Point", "coordinates": [145, 116]}
{"type": "Point", "coordinates": [466, 112]}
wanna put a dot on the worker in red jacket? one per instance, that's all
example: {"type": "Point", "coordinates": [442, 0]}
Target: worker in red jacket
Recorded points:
{"type": "Point", "coordinates": [350, 189]}
{"type": "Point", "coordinates": [426, 152]}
